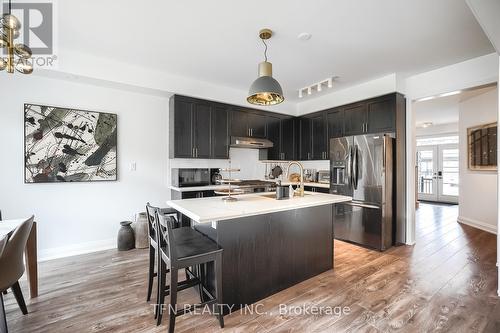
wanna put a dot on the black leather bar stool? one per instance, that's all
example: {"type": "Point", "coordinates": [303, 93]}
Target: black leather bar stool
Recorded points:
{"type": "Point", "coordinates": [153, 245]}
{"type": "Point", "coordinates": [183, 248]}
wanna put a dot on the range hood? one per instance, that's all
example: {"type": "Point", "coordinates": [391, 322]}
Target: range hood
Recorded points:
{"type": "Point", "coordinates": [247, 142]}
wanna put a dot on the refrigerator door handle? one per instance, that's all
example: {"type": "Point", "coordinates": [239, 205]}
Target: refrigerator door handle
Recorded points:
{"type": "Point", "coordinates": [349, 168]}
{"type": "Point", "coordinates": [355, 167]}
{"type": "Point", "coordinates": [362, 205]}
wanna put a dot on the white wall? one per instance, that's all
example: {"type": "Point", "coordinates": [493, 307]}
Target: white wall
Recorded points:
{"type": "Point", "coordinates": [80, 217]}
{"type": "Point", "coordinates": [478, 110]}
{"type": "Point", "coordinates": [468, 74]}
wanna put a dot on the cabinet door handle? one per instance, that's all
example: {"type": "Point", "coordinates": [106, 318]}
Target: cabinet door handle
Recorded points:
{"type": "Point", "coordinates": [192, 152]}
{"type": "Point", "coordinates": [196, 150]}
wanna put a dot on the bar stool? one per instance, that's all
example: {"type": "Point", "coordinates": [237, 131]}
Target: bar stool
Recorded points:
{"type": "Point", "coordinates": [153, 244]}
{"type": "Point", "coordinates": [184, 248]}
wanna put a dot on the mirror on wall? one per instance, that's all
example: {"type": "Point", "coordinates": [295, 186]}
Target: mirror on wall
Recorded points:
{"type": "Point", "coordinates": [482, 147]}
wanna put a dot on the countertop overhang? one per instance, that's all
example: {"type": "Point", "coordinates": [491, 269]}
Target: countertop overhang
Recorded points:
{"type": "Point", "coordinates": [206, 210]}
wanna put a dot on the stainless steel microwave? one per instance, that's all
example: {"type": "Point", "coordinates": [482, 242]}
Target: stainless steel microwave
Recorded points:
{"type": "Point", "coordinates": [190, 177]}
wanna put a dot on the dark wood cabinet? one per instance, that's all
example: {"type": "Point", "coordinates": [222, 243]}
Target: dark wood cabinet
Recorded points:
{"type": "Point", "coordinates": [288, 139]}
{"type": "Point", "coordinates": [274, 135]}
{"type": "Point", "coordinates": [198, 129]}
{"type": "Point", "coordinates": [201, 130]}
{"type": "Point", "coordinates": [181, 125]}
{"type": "Point", "coordinates": [381, 114]}
{"type": "Point", "coordinates": [376, 115]}
{"type": "Point", "coordinates": [319, 137]}
{"type": "Point", "coordinates": [220, 132]}
{"type": "Point", "coordinates": [257, 125]}
{"type": "Point", "coordinates": [239, 123]}
{"type": "Point", "coordinates": [305, 143]}
{"type": "Point", "coordinates": [335, 120]}
{"type": "Point", "coordinates": [355, 119]}
{"type": "Point", "coordinates": [248, 123]}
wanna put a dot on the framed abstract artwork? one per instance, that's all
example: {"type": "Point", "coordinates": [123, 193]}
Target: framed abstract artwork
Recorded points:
{"type": "Point", "coordinates": [482, 147]}
{"type": "Point", "coordinates": [69, 145]}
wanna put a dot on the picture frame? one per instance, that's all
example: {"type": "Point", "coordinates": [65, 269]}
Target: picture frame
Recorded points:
{"type": "Point", "coordinates": [482, 147]}
{"type": "Point", "coordinates": [64, 144]}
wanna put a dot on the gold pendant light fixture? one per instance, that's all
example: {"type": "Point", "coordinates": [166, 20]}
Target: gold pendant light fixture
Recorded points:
{"type": "Point", "coordinates": [265, 90]}
{"type": "Point", "coordinates": [17, 55]}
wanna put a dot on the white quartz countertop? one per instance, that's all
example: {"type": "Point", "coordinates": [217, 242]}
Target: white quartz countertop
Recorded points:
{"type": "Point", "coordinates": [204, 210]}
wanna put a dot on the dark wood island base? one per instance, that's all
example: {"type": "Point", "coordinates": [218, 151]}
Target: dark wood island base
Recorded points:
{"type": "Point", "coordinates": [264, 254]}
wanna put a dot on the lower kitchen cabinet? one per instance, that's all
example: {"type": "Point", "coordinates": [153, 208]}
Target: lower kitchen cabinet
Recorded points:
{"type": "Point", "coordinates": [316, 189]}
{"type": "Point", "coordinates": [177, 195]}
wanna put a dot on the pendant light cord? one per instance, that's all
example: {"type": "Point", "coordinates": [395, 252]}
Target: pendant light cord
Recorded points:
{"type": "Point", "coordinates": [265, 50]}
{"type": "Point", "coordinates": [10, 7]}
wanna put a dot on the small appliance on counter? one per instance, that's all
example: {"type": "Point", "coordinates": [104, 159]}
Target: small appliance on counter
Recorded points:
{"type": "Point", "coordinates": [190, 177]}
{"type": "Point", "coordinates": [282, 192]}
{"type": "Point", "coordinates": [323, 176]}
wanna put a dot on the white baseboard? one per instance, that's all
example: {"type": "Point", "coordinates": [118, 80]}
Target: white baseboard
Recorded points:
{"type": "Point", "coordinates": [73, 250]}
{"type": "Point", "coordinates": [478, 224]}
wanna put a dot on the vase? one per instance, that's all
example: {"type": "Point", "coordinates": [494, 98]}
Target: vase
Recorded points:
{"type": "Point", "coordinates": [140, 227]}
{"type": "Point", "coordinates": [126, 240]}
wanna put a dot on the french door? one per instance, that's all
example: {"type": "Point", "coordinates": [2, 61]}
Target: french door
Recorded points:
{"type": "Point", "coordinates": [438, 173]}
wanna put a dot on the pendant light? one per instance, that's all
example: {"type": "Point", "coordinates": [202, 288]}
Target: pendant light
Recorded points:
{"type": "Point", "coordinates": [265, 90]}
{"type": "Point", "coordinates": [17, 55]}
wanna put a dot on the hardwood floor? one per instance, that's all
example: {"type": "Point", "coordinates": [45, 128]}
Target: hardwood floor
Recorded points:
{"type": "Point", "coordinates": [445, 283]}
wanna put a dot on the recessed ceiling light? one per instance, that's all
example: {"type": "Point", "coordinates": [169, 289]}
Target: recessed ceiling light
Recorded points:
{"type": "Point", "coordinates": [304, 36]}
{"type": "Point", "coordinates": [426, 124]}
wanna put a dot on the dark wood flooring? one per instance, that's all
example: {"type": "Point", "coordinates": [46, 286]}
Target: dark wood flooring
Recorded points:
{"type": "Point", "coordinates": [445, 283]}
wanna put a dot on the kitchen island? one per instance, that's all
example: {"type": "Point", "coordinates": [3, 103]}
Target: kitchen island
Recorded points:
{"type": "Point", "coordinates": [269, 245]}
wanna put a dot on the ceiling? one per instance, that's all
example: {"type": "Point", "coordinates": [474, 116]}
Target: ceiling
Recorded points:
{"type": "Point", "coordinates": [444, 110]}
{"type": "Point", "coordinates": [216, 41]}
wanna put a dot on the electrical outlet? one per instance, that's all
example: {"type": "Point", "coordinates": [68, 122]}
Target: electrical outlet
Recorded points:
{"type": "Point", "coordinates": [133, 166]}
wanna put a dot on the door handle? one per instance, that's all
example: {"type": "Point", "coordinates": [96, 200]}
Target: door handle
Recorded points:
{"type": "Point", "coordinates": [362, 205]}
{"type": "Point", "coordinates": [192, 152]}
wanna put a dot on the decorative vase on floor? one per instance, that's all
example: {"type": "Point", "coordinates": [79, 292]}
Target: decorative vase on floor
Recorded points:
{"type": "Point", "coordinates": [141, 231]}
{"type": "Point", "coordinates": [126, 239]}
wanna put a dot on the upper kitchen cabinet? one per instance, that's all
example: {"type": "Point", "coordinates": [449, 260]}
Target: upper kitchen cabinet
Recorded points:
{"type": "Point", "coordinates": [355, 119]}
{"type": "Point", "coordinates": [381, 114]}
{"type": "Point", "coordinates": [248, 123]}
{"type": "Point", "coordinates": [335, 121]}
{"type": "Point", "coordinates": [181, 128]}
{"type": "Point", "coordinates": [282, 133]}
{"type": "Point", "coordinates": [288, 139]}
{"type": "Point", "coordinates": [220, 131]}
{"type": "Point", "coordinates": [274, 135]}
{"type": "Point", "coordinates": [375, 115]}
{"type": "Point", "coordinates": [198, 129]}
{"type": "Point", "coordinates": [319, 138]}
{"type": "Point", "coordinates": [305, 139]}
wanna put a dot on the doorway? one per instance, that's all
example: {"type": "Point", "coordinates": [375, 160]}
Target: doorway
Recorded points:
{"type": "Point", "coordinates": [438, 172]}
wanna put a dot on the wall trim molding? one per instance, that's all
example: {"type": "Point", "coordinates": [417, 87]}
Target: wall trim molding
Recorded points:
{"type": "Point", "coordinates": [76, 249]}
{"type": "Point", "coordinates": [478, 224]}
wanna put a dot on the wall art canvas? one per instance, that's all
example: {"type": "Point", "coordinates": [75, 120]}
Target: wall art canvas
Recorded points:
{"type": "Point", "coordinates": [68, 145]}
{"type": "Point", "coordinates": [482, 147]}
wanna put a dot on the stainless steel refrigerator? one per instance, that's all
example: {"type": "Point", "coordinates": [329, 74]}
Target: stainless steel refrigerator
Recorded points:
{"type": "Point", "coordinates": [362, 167]}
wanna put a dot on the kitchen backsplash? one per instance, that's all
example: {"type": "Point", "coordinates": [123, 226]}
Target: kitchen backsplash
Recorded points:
{"type": "Point", "coordinates": [245, 159]}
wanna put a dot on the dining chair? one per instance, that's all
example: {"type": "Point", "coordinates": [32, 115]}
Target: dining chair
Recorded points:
{"type": "Point", "coordinates": [184, 248]}
{"type": "Point", "coordinates": [12, 266]}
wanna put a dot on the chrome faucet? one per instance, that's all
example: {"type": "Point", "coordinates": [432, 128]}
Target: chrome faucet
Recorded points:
{"type": "Point", "coordinates": [301, 167]}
